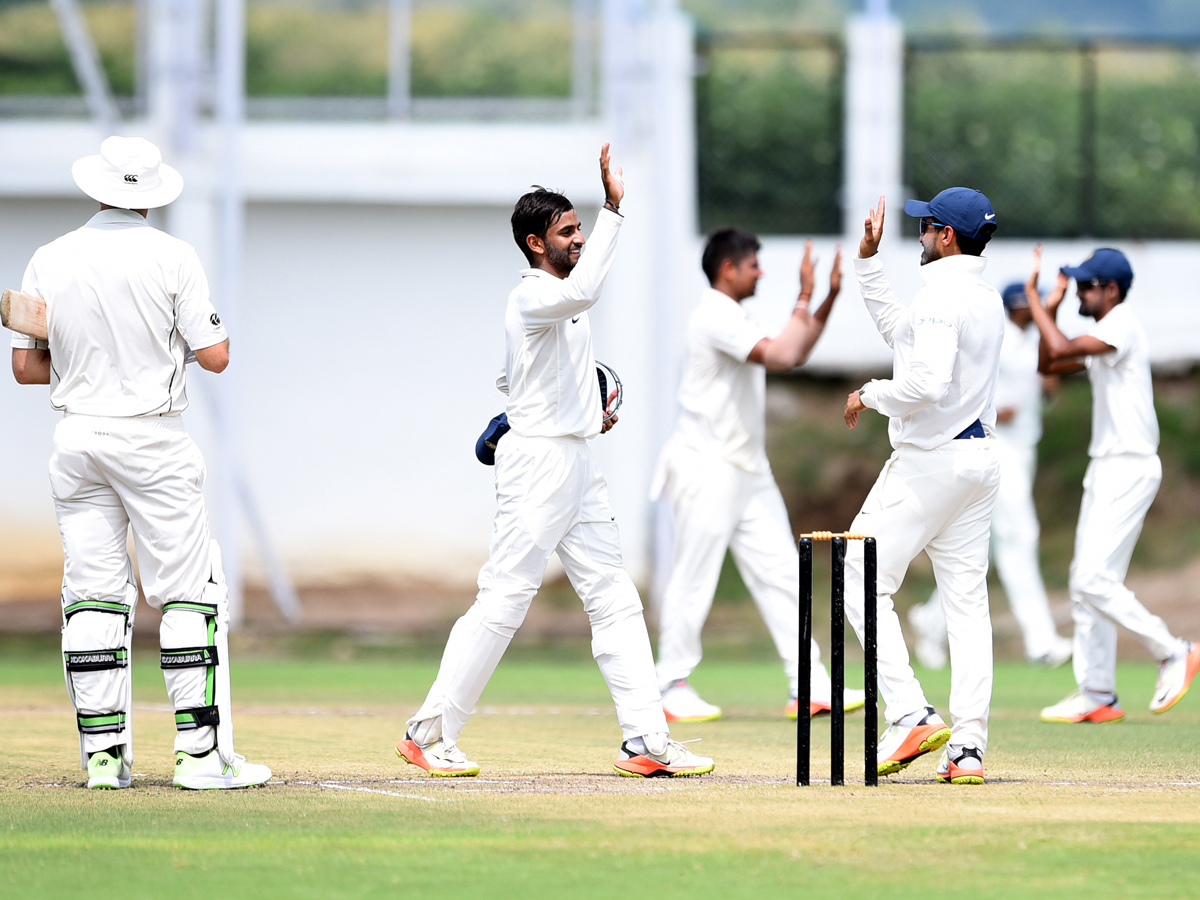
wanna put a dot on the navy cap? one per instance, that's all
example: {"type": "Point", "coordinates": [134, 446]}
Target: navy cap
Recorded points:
{"type": "Point", "coordinates": [1014, 296]}
{"type": "Point", "coordinates": [1105, 264]}
{"type": "Point", "coordinates": [967, 211]}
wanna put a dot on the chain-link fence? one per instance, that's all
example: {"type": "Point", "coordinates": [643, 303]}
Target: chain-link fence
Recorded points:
{"type": "Point", "coordinates": [1066, 140]}
{"type": "Point", "coordinates": [769, 132]}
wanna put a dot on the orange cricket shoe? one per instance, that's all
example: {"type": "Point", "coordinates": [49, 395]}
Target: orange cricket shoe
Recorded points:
{"type": "Point", "coordinates": [900, 745]}
{"type": "Point", "coordinates": [1082, 707]}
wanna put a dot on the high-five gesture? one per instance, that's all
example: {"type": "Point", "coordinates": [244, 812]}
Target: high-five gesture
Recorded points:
{"type": "Point", "coordinates": [872, 232]}
{"type": "Point", "coordinates": [835, 275]}
{"type": "Point", "coordinates": [614, 187]}
{"type": "Point", "coordinates": [808, 276]}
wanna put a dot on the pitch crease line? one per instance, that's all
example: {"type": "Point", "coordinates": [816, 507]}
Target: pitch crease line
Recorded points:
{"type": "Point", "coordinates": [363, 790]}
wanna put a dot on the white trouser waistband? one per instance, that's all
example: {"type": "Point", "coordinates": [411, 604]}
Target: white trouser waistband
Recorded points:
{"type": "Point", "coordinates": [130, 423]}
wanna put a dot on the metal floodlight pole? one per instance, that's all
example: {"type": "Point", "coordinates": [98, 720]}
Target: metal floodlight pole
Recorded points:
{"type": "Point", "coordinates": [230, 107]}
{"type": "Point", "coordinates": [399, 87]}
{"type": "Point", "coordinates": [583, 56]}
{"type": "Point", "coordinates": [85, 60]}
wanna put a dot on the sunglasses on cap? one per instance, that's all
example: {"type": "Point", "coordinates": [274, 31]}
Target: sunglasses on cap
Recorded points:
{"type": "Point", "coordinates": [927, 223]}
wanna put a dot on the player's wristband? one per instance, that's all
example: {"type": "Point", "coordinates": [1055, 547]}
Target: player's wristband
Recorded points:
{"type": "Point", "coordinates": [612, 207]}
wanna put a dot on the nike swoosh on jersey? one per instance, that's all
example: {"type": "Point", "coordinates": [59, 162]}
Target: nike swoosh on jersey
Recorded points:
{"type": "Point", "coordinates": [574, 320]}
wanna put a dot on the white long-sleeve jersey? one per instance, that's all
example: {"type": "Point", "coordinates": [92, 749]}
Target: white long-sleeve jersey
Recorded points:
{"type": "Point", "coordinates": [550, 370]}
{"type": "Point", "coordinates": [946, 350]}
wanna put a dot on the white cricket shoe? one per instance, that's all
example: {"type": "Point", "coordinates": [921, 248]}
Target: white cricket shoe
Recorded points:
{"type": "Point", "coordinates": [107, 772]}
{"type": "Point", "coordinates": [930, 648]}
{"type": "Point", "coordinates": [1174, 678]}
{"type": "Point", "coordinates": [439, 758]}
{"type": "Point", "coordinates": [901, 744]}
{"type": "Point", "coordinates": [681, 703]}
{"type": "Point", "coordinates": [209, 772]}
{"type": "Point", "coordinates": [634, 760]}
{"type": "Point", "coordinates": [1058, 654]}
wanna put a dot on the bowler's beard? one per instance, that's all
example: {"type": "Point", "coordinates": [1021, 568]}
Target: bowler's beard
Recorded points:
{"type": "Point", "coordinates": [560, 259]}
{"type": "Point", "coordinates": [930, 254]}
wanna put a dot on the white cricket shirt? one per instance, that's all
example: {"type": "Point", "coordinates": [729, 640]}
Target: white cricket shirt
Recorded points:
{"type": "Point", "coordinates": [550, 370]}
{"type": "Point", "coordinates": [722, 397]}
{"type": "Point", "coordinates": [122, 298]}
{"type": "Point", "coordinates": [945, 350]}
{"type": "Point", "coordinates": [1123, 418]}
{"type": "Point", "coordinates": [1019, 386]}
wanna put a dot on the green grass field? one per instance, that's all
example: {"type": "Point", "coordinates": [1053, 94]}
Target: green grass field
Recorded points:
{"type": "Point", "coordinates": [1070, 811]}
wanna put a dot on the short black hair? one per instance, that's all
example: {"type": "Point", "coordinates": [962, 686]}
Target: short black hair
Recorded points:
{"type": "Point", "coordinates": [535, 213]}
{"type": "Point", "coordinates": [727, 243]}
{"type": "Point", "coordinates": [972, 246]}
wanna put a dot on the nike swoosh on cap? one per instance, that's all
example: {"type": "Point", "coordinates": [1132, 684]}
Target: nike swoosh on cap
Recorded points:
{"type": "Point", "coordinates": [989, 218]}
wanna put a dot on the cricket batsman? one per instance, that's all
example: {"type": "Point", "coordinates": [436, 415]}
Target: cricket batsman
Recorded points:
{"type": "Point", "coordinates": [124, 303]}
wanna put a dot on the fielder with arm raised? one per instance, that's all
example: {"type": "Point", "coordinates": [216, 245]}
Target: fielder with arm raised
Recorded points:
{"type": "Point", "coordinates": [936, 491]}
{"type": "Point", "coordinates": [123, 303]}
{"type": "Point", "coordinates": [551, 497]}
{"type": "Point", "coordinates": [1121, 482]}
{"type": "Point", "coordinates": [715, 471]}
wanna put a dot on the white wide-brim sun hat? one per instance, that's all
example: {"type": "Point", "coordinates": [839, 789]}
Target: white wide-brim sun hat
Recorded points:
{"type": "Point", "coordinates": [128, 173]}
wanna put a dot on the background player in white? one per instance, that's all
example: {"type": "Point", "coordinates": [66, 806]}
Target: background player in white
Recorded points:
{"type": "Point", "coordinates": [1121, 482]}
{"type": "Point", "coordinates": [715, 472]}
{"type": "Point", "coordinates": [1015, 527]}
{"type": "Point", "coordinates": [550, 496]}
{"type": "Point", "coordinates": [124, 302]}
{"type": "Point", "coordinates": [936, 491]}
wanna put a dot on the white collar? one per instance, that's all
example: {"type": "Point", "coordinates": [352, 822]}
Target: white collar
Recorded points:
{"type": "Point", "coordinates": [712, 294]}
{"type": "Point", "coordinates": [952, 266]}
{"type": "Point", "coordinates": [117, 217]}
{"type": "Point", "coordinates": [540, 273]}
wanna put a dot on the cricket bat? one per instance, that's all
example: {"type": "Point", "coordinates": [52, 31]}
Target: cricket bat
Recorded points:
{"type": "Point", "coordinates": [24, 314]}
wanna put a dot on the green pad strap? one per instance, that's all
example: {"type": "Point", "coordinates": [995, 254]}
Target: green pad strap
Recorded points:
{"type": "Point", "coordinates": [205, 609]}
{"type": "Point", "coordinates": [105, 606]}
{"type": "Point", "coordinates": [95, 660]}
{"type": "Point", "coordinates": [191, 719]}
{"type": "Point", "coordinates": [102, 724]}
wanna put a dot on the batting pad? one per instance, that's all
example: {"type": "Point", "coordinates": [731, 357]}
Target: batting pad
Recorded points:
{"type": "Point", "coordinates": [96, 640]}
{"type": "Point", "coordinates": [194, 641]}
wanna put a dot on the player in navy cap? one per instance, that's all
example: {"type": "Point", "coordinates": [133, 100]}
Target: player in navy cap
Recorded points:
{"type": "Point", "coordinates": [1122, 481]}
{"type": "Point", "coordinates": [936, 492]}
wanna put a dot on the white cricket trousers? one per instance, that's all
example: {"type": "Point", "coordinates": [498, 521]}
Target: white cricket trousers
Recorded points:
{"type": "Point", "coordinates": [939, 501]}
{"type": "Point", "coordinates": [1015, 534]}
{"type": "Point", "coordinates": [550, 496]}
{"type": "Point", "coordinates": [1117, 493]}
{"type": "Point", "coordinates": [107, 474]}
{"type": "Point", "coordinates": [717, 506]}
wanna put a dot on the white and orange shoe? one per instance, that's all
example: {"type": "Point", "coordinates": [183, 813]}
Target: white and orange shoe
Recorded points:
{"type": "Point", "coordinates": [436, 759]}
{"type": "Point", "coordinates": [852, 699]}
{"type": "Point", "coordinates": [901, 744]}
{"type": "Point", "coordinates": [1083, 707]}
{"type": "Point", "coordinates": [634, 760]}
{"type": "Point", "coordinates": [962, 765]}
{"type": "Point", "coordinates": [681, 703]}
{"type": "Point", "coordinates": [1174, 678]}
